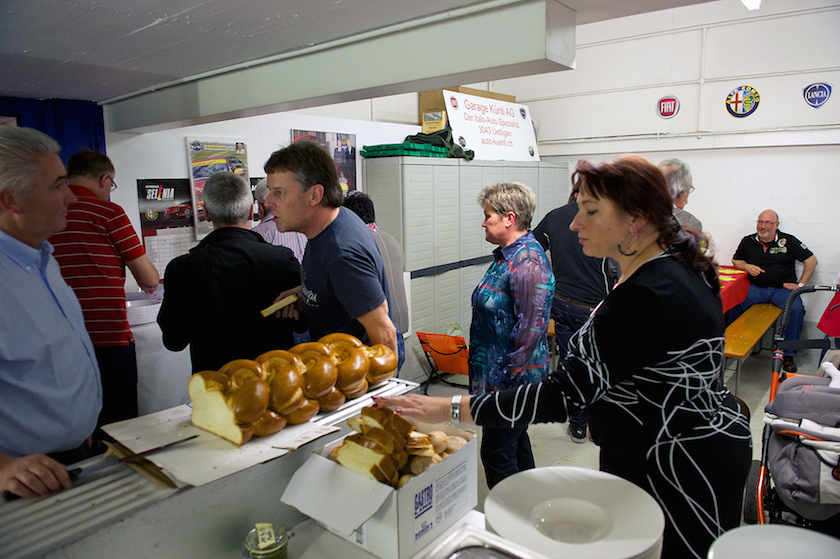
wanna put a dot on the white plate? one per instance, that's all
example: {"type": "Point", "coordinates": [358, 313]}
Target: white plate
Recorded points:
{"type": "Point", "coordinates": [575, 512]}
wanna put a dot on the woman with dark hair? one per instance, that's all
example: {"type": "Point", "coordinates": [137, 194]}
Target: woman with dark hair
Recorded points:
{"type": "Point", "coordinates": [648, 363]}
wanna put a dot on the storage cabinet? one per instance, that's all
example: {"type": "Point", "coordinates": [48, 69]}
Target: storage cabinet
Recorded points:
{"type": "Point", "coordinates": [429, 205]}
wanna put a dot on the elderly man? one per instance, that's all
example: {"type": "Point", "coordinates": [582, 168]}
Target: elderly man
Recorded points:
{"type": "Point", "coordinates": [213, 295]}
{"type": "Point", "coordinates": [769, 256]}
{"type": "Point", "coordinates": [93, 252]}
{"type": "Point", "coordinates": [50, 392]}
{"type": "Point", "coordinates": [344, 287]}
{"type": "Point", "coordinates": [679, 181]}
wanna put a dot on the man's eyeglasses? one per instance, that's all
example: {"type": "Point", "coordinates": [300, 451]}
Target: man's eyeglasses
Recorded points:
{"type": "Point", "coordinates": [113, 184]}
{"type": "Point", "coordinates": [766, 223]}
{"type": "Point", "coordinates": [690, 189]}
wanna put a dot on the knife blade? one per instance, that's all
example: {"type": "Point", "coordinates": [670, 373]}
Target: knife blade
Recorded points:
{"type": "Point", "coordinates": [75, 473]}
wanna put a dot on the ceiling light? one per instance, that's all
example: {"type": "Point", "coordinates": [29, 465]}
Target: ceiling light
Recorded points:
{"type": "Point", "coordinates": [751, 4]}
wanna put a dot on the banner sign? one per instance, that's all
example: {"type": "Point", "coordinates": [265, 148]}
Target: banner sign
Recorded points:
{"type": "Point", "coordinates": [494, 130]}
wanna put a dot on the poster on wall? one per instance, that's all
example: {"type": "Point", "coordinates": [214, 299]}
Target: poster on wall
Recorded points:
{"type": "Point", "coordinates": [207, 157]}
{"type": "Point", "coordinates": [166, 219]}
{"type": "Point", "coordinates": [342, 148]}
{"type": "Point", "coordinates": [494, 130]}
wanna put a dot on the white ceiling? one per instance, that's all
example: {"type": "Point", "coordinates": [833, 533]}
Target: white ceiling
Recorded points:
{"type": "Point", "coordinates": [100, 49]}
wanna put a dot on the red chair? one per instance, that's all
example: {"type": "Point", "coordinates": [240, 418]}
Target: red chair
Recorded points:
{"type": "Point", "coordinates": [446, 355]}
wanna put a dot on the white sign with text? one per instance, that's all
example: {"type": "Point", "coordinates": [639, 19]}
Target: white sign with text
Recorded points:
{"type": "Point", "coordinates": [494, 130]}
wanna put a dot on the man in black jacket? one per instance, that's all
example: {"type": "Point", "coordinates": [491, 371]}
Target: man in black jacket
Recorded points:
{"type": "Point", "coordinates": [213, 295]}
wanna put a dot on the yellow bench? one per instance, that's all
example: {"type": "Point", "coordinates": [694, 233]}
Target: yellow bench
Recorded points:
{"type": "Point", "coordinates": [746, 331]}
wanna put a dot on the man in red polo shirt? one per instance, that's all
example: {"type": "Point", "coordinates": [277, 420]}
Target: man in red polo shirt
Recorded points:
{"type": "Point", "coordinates": [93, 251]}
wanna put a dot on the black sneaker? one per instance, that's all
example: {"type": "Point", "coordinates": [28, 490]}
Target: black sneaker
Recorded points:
{"type": "Point", "coordinates": [577, 433]}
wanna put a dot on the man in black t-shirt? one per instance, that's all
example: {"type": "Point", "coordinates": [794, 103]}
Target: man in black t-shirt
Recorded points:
{"type": "Point", "coordinates": [770, 256]}
{"type": "Point", "coordinates": [581, 283]}
{"type": "Point", "coordinates": [343, 281]}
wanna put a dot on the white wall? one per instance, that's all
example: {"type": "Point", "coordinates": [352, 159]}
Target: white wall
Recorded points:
{"type": "Point", "coordinates": [163, 155]}
{"type": "Point", "coordinates": [802, 183]}
{"type": "Point", "coordinates": [786, 156]}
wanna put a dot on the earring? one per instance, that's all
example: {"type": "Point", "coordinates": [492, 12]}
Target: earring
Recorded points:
{"type": "Point", "coordinates": [625, 253]}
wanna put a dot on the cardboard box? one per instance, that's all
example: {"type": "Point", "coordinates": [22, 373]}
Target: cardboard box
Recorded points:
{"type": "Point", "coordinates": [433, 110]}
{"type": "Point", "coordinates": [388, 523]}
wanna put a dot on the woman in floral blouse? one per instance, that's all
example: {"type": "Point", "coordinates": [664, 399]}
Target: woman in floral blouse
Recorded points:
{"type": "Point", "coordinates": [511, 308]}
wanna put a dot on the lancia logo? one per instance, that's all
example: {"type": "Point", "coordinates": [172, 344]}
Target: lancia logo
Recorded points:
{"type": "Point", "coordinates": [668, 107]}
{"type": "Point", "coordinates": [817, 94]}
{"type": "Point", "coordinates": [742, 101]}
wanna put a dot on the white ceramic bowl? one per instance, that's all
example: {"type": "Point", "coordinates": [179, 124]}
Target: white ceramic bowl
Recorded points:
{"type": "Point", "coordinates": [774, 541]}
{"type": "Point", "coordinates": [574, 513]}
{"type": "Point", "coordinates": [141, 308]}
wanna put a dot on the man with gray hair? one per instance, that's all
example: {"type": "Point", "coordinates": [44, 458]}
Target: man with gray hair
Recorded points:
{"type": "Point", "coordinates": [213, 295]}
{"type": "Point", "coordinates": [50, 391]}
{"type": "Point", "coordinates": [679, 181]}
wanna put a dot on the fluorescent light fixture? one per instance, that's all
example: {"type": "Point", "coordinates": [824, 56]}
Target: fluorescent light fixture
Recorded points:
{"type": "Point", "coordinates": [751, 4]}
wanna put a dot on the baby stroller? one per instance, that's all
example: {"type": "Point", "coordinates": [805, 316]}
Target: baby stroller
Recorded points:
{"type": "Point", "coordinates": [797, 480]}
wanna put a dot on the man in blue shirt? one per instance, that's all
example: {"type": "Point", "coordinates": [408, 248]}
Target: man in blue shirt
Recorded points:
{"type": "Point", "coordinates": [50, 390]}
{"type": "Point", "coordinates": [344, 286]}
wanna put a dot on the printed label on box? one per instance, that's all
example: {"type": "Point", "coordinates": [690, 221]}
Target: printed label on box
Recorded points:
{"type": "Point", "coordinates": [439, 500]}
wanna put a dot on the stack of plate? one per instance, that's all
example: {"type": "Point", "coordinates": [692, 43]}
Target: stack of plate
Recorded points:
{"type": "Point", "coordinates": [576, 513]}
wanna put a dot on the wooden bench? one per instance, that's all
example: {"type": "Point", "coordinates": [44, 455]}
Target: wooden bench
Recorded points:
{"type": "Point", "coordinates": [747, 330]}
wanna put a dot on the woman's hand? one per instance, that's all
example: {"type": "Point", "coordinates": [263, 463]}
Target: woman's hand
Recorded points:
{"type": "Point", "coordinates": [424, 408]}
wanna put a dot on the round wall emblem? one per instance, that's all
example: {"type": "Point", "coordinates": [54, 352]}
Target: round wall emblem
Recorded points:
{"type": "Point", "coordinates": [817, 94]}
{"type": "Point", "coordinates": [742, 101]}
{"type": "Point", "coordinates": [668, 107]}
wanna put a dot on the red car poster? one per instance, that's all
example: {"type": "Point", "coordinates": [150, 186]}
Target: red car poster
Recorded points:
{"type": "Point", "coordinates": [207, 157]}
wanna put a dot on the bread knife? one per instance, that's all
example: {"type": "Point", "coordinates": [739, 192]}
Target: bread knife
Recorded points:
{"type": "Point", "coordinates": [107, 462]}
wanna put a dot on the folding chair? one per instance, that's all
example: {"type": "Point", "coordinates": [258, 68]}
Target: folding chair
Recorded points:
{"type": "Point", "coordinates": [446, 355]}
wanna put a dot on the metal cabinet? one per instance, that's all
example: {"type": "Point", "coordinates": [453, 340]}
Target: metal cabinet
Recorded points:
{"type": "Point", "coordinates": [429, 205]}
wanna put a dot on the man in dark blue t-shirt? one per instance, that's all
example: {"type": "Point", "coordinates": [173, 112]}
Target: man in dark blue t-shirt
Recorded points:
{"type": "Point", "coordinates": [343, 284]}
{"type": "Point", "coordinates": [770, 258]}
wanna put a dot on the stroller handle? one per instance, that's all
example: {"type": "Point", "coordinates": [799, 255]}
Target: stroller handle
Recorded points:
{"type": "Point", "coordinates": [780, 335]}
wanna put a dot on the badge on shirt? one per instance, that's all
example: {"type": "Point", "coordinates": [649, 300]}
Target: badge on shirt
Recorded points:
{"type": "Point", "coordinates": [778, 250]}
{"type": "Point", "coordinates": [782, 242]}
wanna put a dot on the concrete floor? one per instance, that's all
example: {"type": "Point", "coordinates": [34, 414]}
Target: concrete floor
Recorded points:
{"type": "Point", "coordinates": [552, 446]}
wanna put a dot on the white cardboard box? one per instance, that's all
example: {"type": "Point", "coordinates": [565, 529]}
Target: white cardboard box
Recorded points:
{"type": "Point", "coordinates": [388, 523]}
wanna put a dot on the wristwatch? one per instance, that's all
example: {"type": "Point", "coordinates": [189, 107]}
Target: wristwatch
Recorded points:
{"type": "Point", "coordinates": [800, 284]}
{"type": "Point", "coordinates": [455, 408]}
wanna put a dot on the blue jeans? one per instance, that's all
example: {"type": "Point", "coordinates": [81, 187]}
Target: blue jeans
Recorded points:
{"type": "Point", "coordinates": [568, 319]}
{"type": "Point", "coordinates": [777, 296]}
{"type": "Point", "coordinates": [505, 452]}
